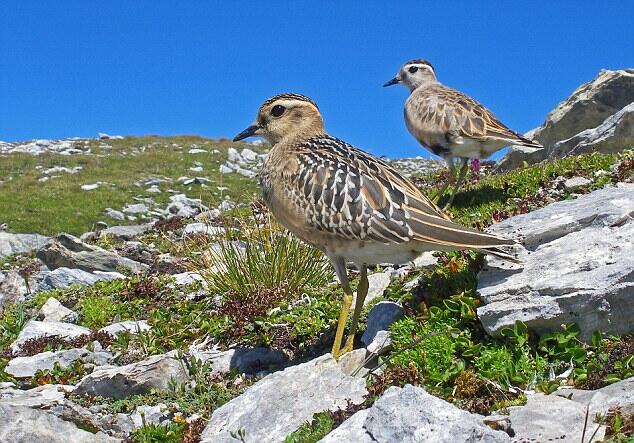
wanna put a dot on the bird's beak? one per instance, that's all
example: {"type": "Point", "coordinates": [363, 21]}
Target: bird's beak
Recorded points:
{"type": "Point", "coordinates": [249, 132]}
{"type": "Point", "coordinates": [394, 81]}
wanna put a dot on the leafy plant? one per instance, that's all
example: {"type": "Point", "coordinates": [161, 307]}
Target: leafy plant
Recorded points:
{"type": "Point", "coordinates": [313, 431]}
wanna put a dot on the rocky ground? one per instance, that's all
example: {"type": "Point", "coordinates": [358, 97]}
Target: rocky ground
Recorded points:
{"type": "Point", "coordinates": [183, 313]}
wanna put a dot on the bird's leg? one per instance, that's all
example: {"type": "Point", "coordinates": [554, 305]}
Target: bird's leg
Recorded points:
{"type": "Point", "coordinates": [450, 179]}
{"type": "Point", "coordinates": [461, 176]}
{"type": "Point", "coordinates": [340, 268]}
{"type": "Point", "coordinates": [362, 291]}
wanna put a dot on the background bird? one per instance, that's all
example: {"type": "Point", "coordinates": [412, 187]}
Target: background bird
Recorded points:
{"type": "Point", "coordinates": [450, 123]}
{"type": "Point", "coordinates": [347, 203]}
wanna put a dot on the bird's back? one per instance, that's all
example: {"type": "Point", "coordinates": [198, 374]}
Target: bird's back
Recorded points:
{"type": "Point", "coordinates": [336, 196]}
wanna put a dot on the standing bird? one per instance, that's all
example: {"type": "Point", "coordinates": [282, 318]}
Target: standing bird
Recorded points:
{"type": "Point", "coordinates": [449, 123]}
{"type": "Point", "coordinates": [347, 203]}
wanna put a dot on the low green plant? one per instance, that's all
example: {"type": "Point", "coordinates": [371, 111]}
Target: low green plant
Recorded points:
{"type": "Point", "coordinates": [313, 431]}
{"type": "Point", "coordinates": [153, 433]}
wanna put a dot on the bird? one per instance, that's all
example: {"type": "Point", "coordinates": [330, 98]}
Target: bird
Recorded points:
{"type": "Point", "coordinates": [449, 123]}
{"type": "Point", "coordinates": [349, 204]}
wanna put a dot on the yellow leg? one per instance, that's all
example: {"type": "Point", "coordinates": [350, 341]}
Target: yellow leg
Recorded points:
{"type": "Point", "coordinates": [337, 351]}
{"type": "Point", "coordinates": [362, 292]}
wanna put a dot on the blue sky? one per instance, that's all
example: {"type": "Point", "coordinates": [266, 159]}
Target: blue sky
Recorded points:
{"type": "Point", "coordinates": [75, 68]}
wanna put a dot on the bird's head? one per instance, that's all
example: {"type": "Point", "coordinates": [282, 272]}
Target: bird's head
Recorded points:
{"type": "Point", "coordinates": [413, 74]}
{"type": "Point", "coordinates": [285, 115]}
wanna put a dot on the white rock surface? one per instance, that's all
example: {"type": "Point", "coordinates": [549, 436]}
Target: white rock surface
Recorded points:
{"type": "Point", "coordinates": [19, 243]}
{"type": "Point", "coordinates": [37, 329]}
{"type": "Point", "coordinates": [576, 183]}
{"type": "Point", "coordinates": [136, 378]}
{"type": "Point", "coordinates": [551, 418]}
{"type": "Point", "coordinates": [377, 284]}
{"type": "Point", "coordinates": [22, 424]}
{"type": "Point", "coordinates": [291, 397]}
{"type": "Point", "coordinates": [131, 326]}
{"type": "Point", "coordinates": [410, 414]}
{"type": "Point", "coordinates": [26, 367]}
{"type": "Point", "coordinates": [53, 310]}
{"type": "Point", "coordinates": [574, 268]}
{"type": "Point", "coordinates": [43, 396]}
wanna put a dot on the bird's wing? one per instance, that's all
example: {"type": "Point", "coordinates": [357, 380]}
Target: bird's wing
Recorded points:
{"type": "Point", "coordinates": [458, 115]}
{"type": "Point", "coordinates": [351, 194]}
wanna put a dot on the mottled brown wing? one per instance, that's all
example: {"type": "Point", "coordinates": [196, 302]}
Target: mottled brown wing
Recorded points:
{"type": "Point", "coordinates": [352, 194]}
{"type": "Point", "coordinates": [458, 115]}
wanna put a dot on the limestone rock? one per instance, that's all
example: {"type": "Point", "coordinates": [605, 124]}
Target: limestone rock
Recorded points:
{"type": "Point", "coordinates": [612, 135]}
{"type": "Point", "coordinates": [245, 360]}
{"type": "Point", "coordinates": [131, 326]}
{"type": "Point", "coordinates": [279, 403]}
{"type": "Point", "coordinates": [576, 183]}
{"type": "Point", "coordinates": [21, 424]}
{"type": "Point", "coordinates": [573, 269]}
{"type": "Point", "coordinates": [37, 329]}
{"type": "Point", "coordinates": [25, 367]}
{"type": "Point", "coordinates": [380, 318]}
{"type": "Point", "coordinates": [19, 243]}
{"type": "Point", "coordinates": [44, 396]}
{"type": "Point", "coordinates": [136, 378]}
{"type": "Point", "coordinates": [68, 251]}
{"type": "Point", "coordinates": [126, 232]}
{"type": "Point", "coordinates": [63, 277]}
{"type": "Point", "coordinates": [410, 414]}
{"type": "Point", "coordinates": [551, 418]}
{"type": "Point", "coordinates": [53, 310]}
{"type": "Point", "coordinates": [596, 116]}
{"type": "Point", "coordinates": [377, 284]}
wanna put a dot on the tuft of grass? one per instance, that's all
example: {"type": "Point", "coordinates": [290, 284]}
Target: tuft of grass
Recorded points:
{"type": "Point", "coordinates": [263, 257]}
{"type": "Point", "coordinates": [152, 433]}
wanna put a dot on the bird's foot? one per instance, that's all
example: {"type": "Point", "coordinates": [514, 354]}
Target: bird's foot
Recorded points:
{"type": "Point", "coordinates": [337, 352]}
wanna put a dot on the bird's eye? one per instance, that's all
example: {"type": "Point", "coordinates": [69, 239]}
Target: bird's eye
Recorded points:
{"type": "Point", "coordinates": [413, 69]}
{"type": "Point", "coordinates": [277, 110]}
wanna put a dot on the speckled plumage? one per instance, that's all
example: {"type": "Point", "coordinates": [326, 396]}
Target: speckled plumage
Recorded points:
{"type": "Point", "coordinates": [348, 203]}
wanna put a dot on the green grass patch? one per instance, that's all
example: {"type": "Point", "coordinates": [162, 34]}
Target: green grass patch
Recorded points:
{"type": "Point", "coordinates": [59, 205]}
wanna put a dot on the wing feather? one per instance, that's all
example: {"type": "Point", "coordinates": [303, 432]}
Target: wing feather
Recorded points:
{"type": "Point", "coordinates": [354, 195]}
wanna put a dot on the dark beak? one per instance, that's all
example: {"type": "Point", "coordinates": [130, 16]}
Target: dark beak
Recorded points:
{"type": "Point", "coordinates": [250, 131]}
{"type": "Point", "coordinates": [394, 81]}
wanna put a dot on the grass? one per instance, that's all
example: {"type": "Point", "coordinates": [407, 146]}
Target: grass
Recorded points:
{"type": "Point", "coordinates": [277, 292]}
{"type": "Point", "coordinates": [59, 205]}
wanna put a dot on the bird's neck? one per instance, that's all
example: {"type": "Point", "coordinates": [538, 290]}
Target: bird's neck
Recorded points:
{"type": "Point", "coordinates": [423, 83]}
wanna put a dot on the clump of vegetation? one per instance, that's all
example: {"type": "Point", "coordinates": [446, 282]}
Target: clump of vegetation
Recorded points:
{"type": "Point", "coordinates": [311, 432]}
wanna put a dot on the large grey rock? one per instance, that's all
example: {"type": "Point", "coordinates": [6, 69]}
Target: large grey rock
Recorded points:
{"type": "Point", "coordinates": [64, 277]}
{"type": "Point", "coordinates": [38, 329]}
{"type": "Point", "coordinates": [619, 394]}
{"type": "Point", "coordinates": [410, 414]}
{"type": "Point", "coordinates": [614, 134]}
{"type": "Point", "coordinates": [575, 268]}
{"type": "Point", "coordinates": [21, 424]}
{"type": "Point", "coordinates": [279, 403]}
{"type": "Point", "coordinates": [245, 360]}
{"type": "Point", "coordinates": [68, 251]}
{"type": "Point", "coordinates": [26, 367]}
{"type": "Point", "coordinates": [551, 418]}
{"type": "Point", "coordinates": [53, 310]}
{"type": "Point", "coordinates": [136, 378]}
{"type": "Point", "coordinates": [19, 243]}
{"type": "Point", "coordinates": [589, 107]}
